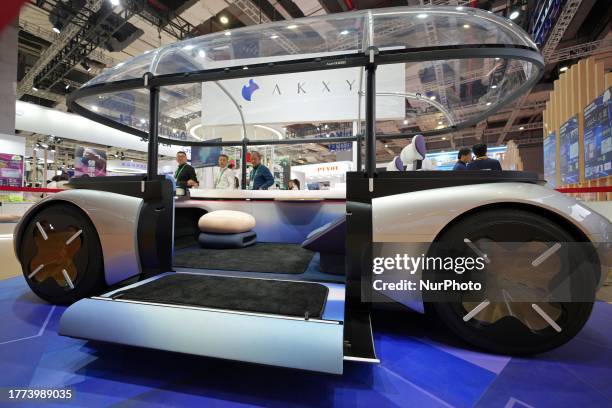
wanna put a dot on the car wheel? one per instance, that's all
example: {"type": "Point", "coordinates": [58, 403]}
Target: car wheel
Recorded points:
{"type": "Point", "coordinates": [492, 318]}
{"type": "Point", "coordinates": [60, 254]}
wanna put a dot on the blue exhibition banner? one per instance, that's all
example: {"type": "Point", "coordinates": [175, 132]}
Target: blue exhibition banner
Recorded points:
{"type": "Point", "coordinates": [569, 151]}
{"type": "Point", "coordinates": [598, 137]}
{"type": "Point", "coordinates": [337, 147]}
{"type": "Point", "coordinates": [550, 159]}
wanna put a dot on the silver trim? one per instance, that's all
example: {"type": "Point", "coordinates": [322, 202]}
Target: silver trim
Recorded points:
{"type": "Point", "coordinates": [546, 317]}
{"type": "Point", "coordinates": [476, 310]}
{"type": "Point", "coordinates": [74, 236]}
{"type": "Point", "coordinates": [207, 309]}
{"type": "Point", "coordinates": [35, 271]}
{"type": "Point", "coordinates": [68, 280]}
{"type": "Point", "coordinates": [42, 231]}
{"type": "Point", "coordinates": [546, 254]}
{"type": "Point", "coordinates": [476, 249]}
{"type": "Point", "coordinates": [361, 359]}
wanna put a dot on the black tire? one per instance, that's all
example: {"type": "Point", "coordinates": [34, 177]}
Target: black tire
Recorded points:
{"type": "Point", "coordinates": [509, 334]}
{"type": "Point", "coordinates": [81, 259]}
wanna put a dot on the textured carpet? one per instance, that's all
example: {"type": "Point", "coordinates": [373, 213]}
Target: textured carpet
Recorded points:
{"type": "Point", "coordinates": [242, 294]}
{"type": "Point", "coordinates": [261, 257]}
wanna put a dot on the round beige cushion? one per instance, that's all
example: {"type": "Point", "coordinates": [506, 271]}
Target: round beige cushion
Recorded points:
{"type": "Point", "coordinates": [226, 222]}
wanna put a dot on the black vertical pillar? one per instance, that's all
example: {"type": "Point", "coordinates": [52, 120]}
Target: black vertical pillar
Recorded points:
{"type": "Point", "coordinates": [153, 132]}
{"type": "Point", "coordinates": [370, 119]}
{"type": "Point", "coordinates": [244, 165]}
{"type": "Point", "coordinates": [358, 147]}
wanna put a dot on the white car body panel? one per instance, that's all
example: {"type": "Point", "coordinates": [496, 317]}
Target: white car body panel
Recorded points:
{"type": "Point", "coordinates": [420, 216]}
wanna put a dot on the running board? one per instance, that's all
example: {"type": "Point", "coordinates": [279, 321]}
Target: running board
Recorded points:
{"type": "Point", "coordinates": [314, 344]}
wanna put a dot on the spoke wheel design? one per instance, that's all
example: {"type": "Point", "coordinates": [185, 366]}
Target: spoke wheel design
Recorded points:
{"type": "Point", "coordinates": [516, 313]}
{"type": "Point", "coordinates": [60, 254]}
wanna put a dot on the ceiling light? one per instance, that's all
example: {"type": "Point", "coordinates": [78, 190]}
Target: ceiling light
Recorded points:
{"type": "Point", "coordinates": [522, 128]}
{"type": "Point", "coordinates": [432, 97]}
{"type": "Point", "coordinates": [67, 87]}
{"type": "Point", "coordinates": [440, 122]}
{"type": "Point", "coordinates": [245, 67]}
{"type": "Point", "coordinates": [421, 16]}
{"type": "Point", "coordinates": [292, 26]}
{"type": "Point", "coordinates": [514, 15]}
{"type": "Point", "coordinates": [386, 146]}
{"type": "Point", "coordinates": [488, 103]}
{"type": "Point", "coordinates": [444, 138]}
{"type": "Point", "coordinates": [344, 32]}
{"type": "Point", "coordinates": [224, 20]}
{"type": "Point", "coordinates": [273, 37]}
{"type": "Point", "coordinates": [497, 58]}
{"type": "Point", "coordinates": [34, 88]}
{"type": "Point", "coordinates": [94, 108]}
{"type": "Point", "coordinates": [459, 8]}
{"type": "Point", "coordinates": [493, 86]}
{"type": "Point", "coordinates": [115, 2]}
{"type": "Point", "coordinates": [56, 29]}
{"type": "Point", "coordinates": [563, 69]}
{"type": "Point", "coordinates": [466, 26]}
{"type": "Point", "coordinates": [405, 121]}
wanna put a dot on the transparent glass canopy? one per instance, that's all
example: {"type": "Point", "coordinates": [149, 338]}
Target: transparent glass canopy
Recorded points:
{"type": "Point", "coordinates": [424, 92]}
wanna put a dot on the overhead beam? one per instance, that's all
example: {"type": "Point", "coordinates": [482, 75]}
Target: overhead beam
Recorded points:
{"type": "Point", "coordinates": [62, 40]}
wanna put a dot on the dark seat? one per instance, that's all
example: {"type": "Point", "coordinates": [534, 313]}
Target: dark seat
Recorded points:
{"type": "Point", "coordinates": [227, 241]}
{"type": "Point", "coordinates": [330, 241]}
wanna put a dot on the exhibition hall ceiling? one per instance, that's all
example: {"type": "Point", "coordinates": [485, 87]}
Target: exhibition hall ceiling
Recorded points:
{"type": "Point", "coordinates": [64, 43]}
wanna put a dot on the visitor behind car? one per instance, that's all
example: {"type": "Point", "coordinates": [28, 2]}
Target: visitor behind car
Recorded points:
{"type": "Point", "coordinates": [261, 178]}
{"type": "Point", "coordinates": [482, 162]}
{"type": "Point", "coordinates": [464, 156]}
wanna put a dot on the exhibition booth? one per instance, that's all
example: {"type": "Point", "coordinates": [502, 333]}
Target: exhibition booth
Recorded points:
{"type": "Point", "coordinates": [246, 250]}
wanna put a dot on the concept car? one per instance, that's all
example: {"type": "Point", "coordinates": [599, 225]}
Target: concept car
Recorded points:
{"type": "Point", "coordinates": [109, 246]}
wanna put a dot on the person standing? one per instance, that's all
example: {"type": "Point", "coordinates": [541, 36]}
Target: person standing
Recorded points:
{"type": "Point", "coordinates": [223, 176]}
{"type": "Point", "coordinates": [261, 177]}
{"type": "Point", "coordinates": [184, 175]}
{"type": "Point", "coordinates": [464, 156]}
{"type": "Point", "coordinates": [482, 162]}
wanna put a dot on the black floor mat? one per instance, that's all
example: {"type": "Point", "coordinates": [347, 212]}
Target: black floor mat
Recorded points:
{"type": "Point", "coordinates": [261, 257]}
{"type": "Point", "coordinates": [241, 294]}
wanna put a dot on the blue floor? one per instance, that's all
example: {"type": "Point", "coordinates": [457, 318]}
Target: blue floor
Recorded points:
{"type": "Point", "coordinates": [421, 367]}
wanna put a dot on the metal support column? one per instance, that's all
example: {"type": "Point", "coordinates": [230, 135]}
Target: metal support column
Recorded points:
{"type": "Point", "coordinates": [370, 122]}
{"type": "Point", "coordinates": [153, 132]}
{"type": "Point", "coordinates": [358, 147]}
{"type": "Point", "coordinates": [243, 168]}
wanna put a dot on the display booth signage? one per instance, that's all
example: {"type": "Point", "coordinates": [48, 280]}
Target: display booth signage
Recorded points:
{"type": "Point", "coordinates": [598, 137]}
{"type": "Point", "coordinates": [11, 170]}
{"type": "Point", "coordinates": [89, 162]}
{"type": "Point", "coordinates": [317, 96]}
{"type": "Point", "coordinates": [550, 159]}
{"type": "Point", "coordinates": [337, 147]}
{"type": "Point", "coordinates": [569, 151]}
{"type": "Point", "coordinates": [446, 160]}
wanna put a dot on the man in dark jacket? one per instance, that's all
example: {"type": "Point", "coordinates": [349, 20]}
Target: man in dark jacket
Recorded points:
{"type": "Point", "coordinates": [463, 158]}
{"type": "Point", "coordinates": [185, 175]}
{"type": "Point", "coordinates": [482, 162]}
{"type": "Point", "coordinates": [261, 178]}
